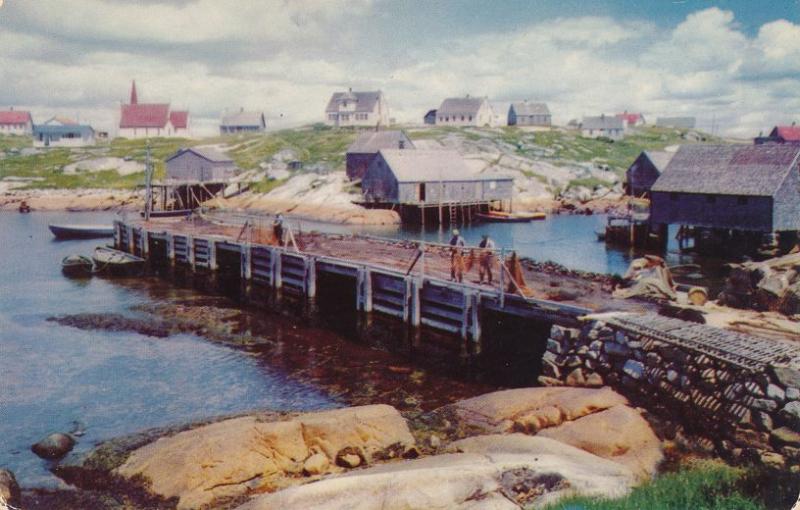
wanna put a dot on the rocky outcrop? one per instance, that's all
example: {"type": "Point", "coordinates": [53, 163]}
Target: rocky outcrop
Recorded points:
{"type": "Point", "coordinates": [773, 285]}
{"type": "Point", "coordinates": [9, 489]}
{"type": "Point", "coordinates": [232, 457]}
{"type": "Point", "coordinates": [488, 472]}
{"type": "Point", "coordinates": [54, 446]}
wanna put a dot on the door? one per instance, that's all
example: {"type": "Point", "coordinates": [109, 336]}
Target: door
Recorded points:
{"type": "Point", "coordinates": [421, 192]}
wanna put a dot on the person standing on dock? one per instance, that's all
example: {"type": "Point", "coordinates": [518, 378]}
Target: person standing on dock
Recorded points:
{"type": "Point", "coordinates": [457, 257]}
{"type": "Point", "coordinates": [486, 259]}
{"type": "Point", "coordinates": [277, 229]}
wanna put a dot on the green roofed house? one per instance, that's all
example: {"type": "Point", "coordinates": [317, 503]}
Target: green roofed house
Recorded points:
{"type": "Point", "coordinates": [59, 132]}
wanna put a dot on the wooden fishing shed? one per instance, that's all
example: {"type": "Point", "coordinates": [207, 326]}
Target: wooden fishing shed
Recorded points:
{"type": "Point", "coordinates": [436, 183]}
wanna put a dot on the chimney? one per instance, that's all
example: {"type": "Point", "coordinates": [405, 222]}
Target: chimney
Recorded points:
{"type": "Point", "coordinates": [401, 144]}
{"type": "Point", "coordinates": [134, 97]}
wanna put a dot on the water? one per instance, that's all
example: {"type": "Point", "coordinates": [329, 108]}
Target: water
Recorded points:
{"type": "Point", "coordinates": [113, 383]}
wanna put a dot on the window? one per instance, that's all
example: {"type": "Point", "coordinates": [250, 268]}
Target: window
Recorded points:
{"type": "Point", "coordinates": [493, 185]}
{"type": "Point", "coordinates": [673, 197]}
{"type": "Point", "coordinates": [711, 199]}
{"type": "Point", "coordinates": [462, 118]}
{"type": "Point", "coordinates": [741, 200]}
{"type": "Point", "coordinates": [421, 192]}
{"type": "Point", "coordinates": [470, 118]}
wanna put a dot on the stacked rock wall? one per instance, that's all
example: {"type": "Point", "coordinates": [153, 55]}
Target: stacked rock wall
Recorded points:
{"type": "Point", "coordinates": [737, 403]}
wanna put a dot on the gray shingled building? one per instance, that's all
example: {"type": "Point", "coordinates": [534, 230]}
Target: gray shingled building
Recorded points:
{"type": "Point", "coordinates": [644, 171]}
{"type": "Point", "coordinates": [753, 188]}
{"type": "Point", "coordinates": [199, 164]}
{"type": "Point", "coordinates": [604, 125]}
{"type": "Point", "coordinates": [529, 114]}
{"type": "Point", "coordinates": [242, 122]}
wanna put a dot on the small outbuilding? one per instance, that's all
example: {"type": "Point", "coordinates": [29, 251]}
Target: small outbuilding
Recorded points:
{"type": "Point", "coordinates": [529, 114]}
{"type": "Point", "coordinates": [752, 188]}
{"type": "Point", "coordinates": [59, 132]}
{"type": "Point", "coordinates": [465, 111]}
{"type": "Point", "coordinates": [200, 164]}
{"type": "Point", "coordinates": [430, 117]}
{"type": "Point", "coordinates": [603, 126]}
{"type": "Point", "coordinates": [644, 171]}
{"type": "Point", "coordinates": [363, 150]}
{"type": "Point", "coordinates": [781, 134]}
{"type": "Point", "coordinates": [242, 122]}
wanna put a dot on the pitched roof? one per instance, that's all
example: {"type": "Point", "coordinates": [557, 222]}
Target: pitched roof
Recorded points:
{"type": "Point", "coordinates": [373, 141]}
{"type": "Point", "coordinates": [755, 170]}
{"type": "Point", "coordinates": [15, 117]}
{"type": "Point", "coordinates": [526, 108]}
{"type": "Point", "coordinates": [143, 115]}
{"type": "Point", "coordinates": [660, 159]}
{"type": "Point", "coordinates": [243, 118]}
{"type": "Point", "coordinates": [63, 121]}
{"type": "Point", "coordinates": [208, 153]}
{"type": "Point", "coordinates": [630, 118]}
{"type": "Point", "coordinates": [179, 119]}
{"type": "Point", "coordinates": [461, 106]}
{"type": "Point", "coordinates": [365, 101]}
{"type": "Point", "coordinates": [602, 122]}
{"type": "Point", "coordinates": [431, 165]}
{"type": "Point", "coordinates": [63, 129]}
{"type": "Point", "coordinates": [676, 122]}
{"type": "Point", "coordinates": [788, 133]}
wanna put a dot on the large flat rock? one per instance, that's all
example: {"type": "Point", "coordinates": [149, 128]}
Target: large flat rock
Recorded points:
{"type": "Point", "coordinates": [231, 457]}
{"type": "Point", "coordinates": [490, 472]}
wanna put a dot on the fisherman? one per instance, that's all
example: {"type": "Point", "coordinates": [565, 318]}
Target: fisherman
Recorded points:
{"type": "Point", "coordinates": [456, 257]}
{"type": "Point", "coordinates": [486, 258]}
{"type": "Point", "coordinates": [277, 229]}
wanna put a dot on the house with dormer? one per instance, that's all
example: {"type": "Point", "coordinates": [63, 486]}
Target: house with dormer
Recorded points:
{"type": "Point", "coordinates": [357, 109]}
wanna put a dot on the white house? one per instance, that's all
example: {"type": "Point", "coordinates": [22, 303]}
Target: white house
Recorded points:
{"type": "Point", "coordinates": [144, 120]}
{"type": "Point", "coordinates": [604, 125]}
{"type": "Point", "coordinates": [465, 111]}
{"type": "Point", "coordinates": [367, 109]}
{"type": "Point", "coordinates": [242, 122]}
{"type": "Point", "coordinates": [59, 132]}
{"type": "Point", "coordinates": [15, 122]}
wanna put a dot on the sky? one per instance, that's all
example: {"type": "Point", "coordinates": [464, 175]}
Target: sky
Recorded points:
{"type": "Point", "coordinates": [735, 65]}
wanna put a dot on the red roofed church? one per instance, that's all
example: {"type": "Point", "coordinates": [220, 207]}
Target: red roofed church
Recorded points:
{"type": "Point", "coordinates": [15, 122]}
{"type": "Point", "coordinates": [142, 120]}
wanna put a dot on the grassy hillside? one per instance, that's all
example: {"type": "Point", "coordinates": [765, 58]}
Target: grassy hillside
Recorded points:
{"type": "Point", "coordinates": [320, 149]}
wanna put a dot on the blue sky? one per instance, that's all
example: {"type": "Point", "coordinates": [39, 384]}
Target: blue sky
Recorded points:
{"type": "Point", "coordinates": [737, 62]}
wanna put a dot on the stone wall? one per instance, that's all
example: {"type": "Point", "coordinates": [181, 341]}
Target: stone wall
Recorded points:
{"type": "Point", "coordinates": [734, 402]}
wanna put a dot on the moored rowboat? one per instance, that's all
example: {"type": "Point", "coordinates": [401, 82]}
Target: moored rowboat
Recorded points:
{"type": "Point", "coordinates": [517, 217]}
{"type": "Point", "coordinates": [117, 262]}
{"type": "Point", "coordinates": [76, 265]}
{"type": "Point", "coordinates": [81, 231]}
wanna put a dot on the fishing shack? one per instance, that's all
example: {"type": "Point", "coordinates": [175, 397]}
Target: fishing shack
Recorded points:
{"type": "Point", "coordinates": [644, 172]}
{"type": "Point", "coordinates": [432, 186]}
{"type": "Point", "coordinates": [726, 196]}
{"type": "Point", "coordinates": [361, 152]}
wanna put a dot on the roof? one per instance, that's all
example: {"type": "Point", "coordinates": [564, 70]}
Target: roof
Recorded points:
{"type": "Point", "coordinates": [15, 117]}
{"type": "Point", "coordinates": [788, 133]}
{"type": "Point", "coordinates": [461, 106]}
{"type": "Point", "coordinates": [179, 119]}
{"type": "Point", "coordinates": [630, 118]}
{"type": "Point", "coordinates": [755, 170]}
{"type": "Point", "coordinates": [431, 112]}
{"type": "Point", "coordinates": [243, 118]}
{"type": "Point", "coordinates": [144, 115]}
{"type": "Point", "coordinates": [432, 165]}
{"type": "Point", "coordinates": [373, 141]}
{"type": "Point", "coordinates": [526, 108]}
{"type": "Point", "coordinates": [676, 122]}
{"type": "Point", "coordinates": [602, 122]}
{"type": "Point", "coordinates": [64, 121]}
{"type": "Point", "coordinates": [62, 129]}
{"type": "Point", "coordinates": [208, 153]}
{"type": "Point", "coordinates": [660, 159]}
{"type": "Point", "coordinates": [365, 101]}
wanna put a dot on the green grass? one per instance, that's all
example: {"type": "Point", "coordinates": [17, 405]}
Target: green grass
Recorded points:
{"type": "Point", "coordinates": [707, 485]}
{"type": "Point", "coordinates": [267, 185]}
{"type": "Point", "coordinates": [14, 142]}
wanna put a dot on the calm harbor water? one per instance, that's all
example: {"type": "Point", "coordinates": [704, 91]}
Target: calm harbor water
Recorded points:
{"type": "Point", "coordinates": [114, 383]}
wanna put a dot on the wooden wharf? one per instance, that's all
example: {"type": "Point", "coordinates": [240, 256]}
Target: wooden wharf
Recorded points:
{"type": "Point", "coordinates": [383, 284]}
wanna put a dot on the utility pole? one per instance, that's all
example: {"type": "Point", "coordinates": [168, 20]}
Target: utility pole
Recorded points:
{"type": "Point", "coordinates": [148, 183]}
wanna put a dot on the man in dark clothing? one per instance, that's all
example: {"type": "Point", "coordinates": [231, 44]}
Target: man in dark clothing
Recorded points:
{"type": "Point", "coordinates": [277, 229]}
{"type": "Point", "coordinates": [456, 257]}
{"type": "Point", "coordinates": [486, 258]}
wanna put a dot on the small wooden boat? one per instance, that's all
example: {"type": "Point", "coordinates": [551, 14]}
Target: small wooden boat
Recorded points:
{"type": "Point", "coordinates": [81, 231]}
{"type": "Point", "coordinates": [168, 214]}
{"type": "Point", "coordinates": [516, 217]}
{"type": "Point", "coordinates": [76, 265]}
{"type": "Point", "coordinates": [116, 262]}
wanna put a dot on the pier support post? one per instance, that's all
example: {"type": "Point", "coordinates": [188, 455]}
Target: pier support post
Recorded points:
{"type": "Point", "coordinates": [145, 239]}
{"type": "Point", "coordinates": [407, 299]}
{"type": "Point", "coordinates": [311, 278]}
{"type": "Point", "coordinates": [275, 261]}
{"type": "Point", "coordinates": [467, 300]}
{"type": "Point", "coordinates": [130, 247]}
{"type": "Point", "coordinates": [245, 261]}
{"type": "Point", "coordinates": [475, 322]}
{"type": "Point", "coordinates": [170, 240]}
{"type": "Point", "coordinates": [416, 303]}
{"type": "Point", "coordinates": [190, 251]}
{"type": "Point", "coordinates": [212, 255]}
{"type": "Point", "coordinates": [118, 235]}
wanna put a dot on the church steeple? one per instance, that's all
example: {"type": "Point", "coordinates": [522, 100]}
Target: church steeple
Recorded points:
{"type": "Point", "coordinates": [134, 98]}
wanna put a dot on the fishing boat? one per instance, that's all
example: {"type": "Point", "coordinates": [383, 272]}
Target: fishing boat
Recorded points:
{"type": "Point", "coordinates": [116, 262]}
{"type": "Point", "coordinates": [516, 217]}
{"type": "Point", "coordinates": [76, 265]}
{"type": "Point", "coordinates": [81, 231]}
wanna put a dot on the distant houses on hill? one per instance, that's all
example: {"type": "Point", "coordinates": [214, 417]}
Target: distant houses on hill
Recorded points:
{"type": "Point", "coordinates": [465, 111]}
{"type": "Point", "coordinates": [529, 114]}
{"type": "Point", "coordinates": [603, 126]}
{"type": "Point", "coordinates": [631, 119]}
{"type": "Point", "coordinates": [143, 120]}
{"type": "Point", "coordinates": [781, 134]}
{"type": "Point", "coordinates": [61, 132]}
{"type": "Point", "coordinates": [357, 109]}
{"type": "Point", "coordinates": [15, 122]}
{"type": "Point", "coordinates": [242, 122]}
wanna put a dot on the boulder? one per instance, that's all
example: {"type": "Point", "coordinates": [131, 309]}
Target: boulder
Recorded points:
{"type": "Point", "coordinates": [530, 409]}
{"type": "Point", "coordinates": [620, 434]}
{"type": "Point", "coordinates": [54, 446]}
{"type": "Point", "coordinates": [232, 457]}
{"type": "Point", "coordinates": [493, 472]}
{"type": "Point", "coordinates": [9, 488]}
